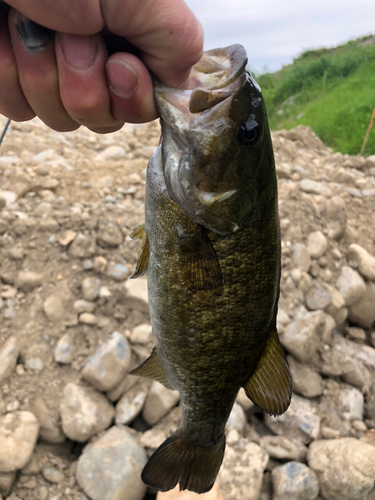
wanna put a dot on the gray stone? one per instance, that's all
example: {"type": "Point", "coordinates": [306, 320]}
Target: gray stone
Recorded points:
{"type": "Point", "coordinates": [141, 334]}
{"type": "Point", "coordinates": [91, 288]}
{"type": "Point", "coordinates": [237, 419]}
{"type": "Point", "coordinates": [302, 337]}
{"type": "Point", "coordinates": [110, 153]}
{"type": "Point", "coordinates": [9, 353]}
{"type": "Point", "coordinates": [355, 162]}
{"type": "Point", "coordinates": [365, 262]}
{"type": "Point", "coordinates": [49, 224]}
{"type": "Point", "coordinates": [84, 412]}
{"type": "Point", "coordinates": [35, 364]}
{"type": "Point", "coordinates": [82, 247]}
{"type": "Point", "coordinates": [111, 467]}
{"type": "Point", "coordinates": [351, 285]}
{"type": "Point", "coordinates": [355, 333]}
{"type": "Point", "coordinates": [306, 381]}
{"type": "Point", "coordinates": [54, 308]}
{"type": "Point", "coordinates": [109, 235]}
{"type": "Point", "coordinates": [28, 280]}
{"type": "Point", "coordinates": [88, 319]}
{"type": "Point", "coordinates": [6, 483]}
{"type": "Point", "coordinates": [82, 305]}
{"type": "Point", "coordinates": [109, 364]}
{"type": "Point", "coordinates": [314, 187]}
{"type": "Point", "coordinates": [345, 468]}
{"type": "Point", "coordinates": [63, 351]}
{"type": "Point", "coordinates": [316, 244]}
{"type": "Point", "coordinates": [336, 217]}
{"type": "Point", "coordinates": [353, 362]}
{"type": "Point", "coordinates": [52, 475]}
{"type": "Point", "coordinates": [131, 403]}
{"type": "Point", "coordinates": [241, 473]}
{"type": "Point", "coordinates": [362, 312]}
{"type": "Point", "coordinates": [18, 436]}
{"type": "Point", "coordinates": [122, 387]}
{"type": "Point", "coordinates": [159, 402]}
{"type": "Point", "coordinates": [353, 403]}
{"type": "Point", "coordinates": [67, 237]}
{"type": "Point", "coordinates": [49, 431]}
{"type": "Point", "coordinates": [294, 481]}
{"type": "Point", "coordinates": [299, 422]}
{"type": "Point", "coordinates": [318, 298]}
{"type": "Point", "coordinates": [283, 448]}
{"type": "Point", "coordinates": [118, 272]}
{"type": "Point", "coordinates": [301, 258]}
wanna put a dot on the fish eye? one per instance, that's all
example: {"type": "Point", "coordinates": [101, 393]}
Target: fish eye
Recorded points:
{"type": "Point", "coordinates": [249, 133]}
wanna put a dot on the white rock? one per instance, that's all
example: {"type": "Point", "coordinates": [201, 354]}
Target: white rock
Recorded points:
{"type": "Point", "coordinates": [109, 364]}
{"type": "Point", "coordinates": [299, 422]}
{"type": "Point", "coordinates": [84, 412]}
{"type": "Point", "coordinates": [18, 436]}
{"type": "Point", "coordinates": [111, 467]}
{"type": "Point", "coordinates": [237, 419]}
{"type": "Point", "coordinates": [241, 473]}
{"type": "Point", "coordinates": [351, 285]}
{"type": "Point", "coordinates": [110, 153]}
{"type": "Point", "coordinates": [345, 468]}
{"type": "Point", "coordinates": [137, 289]}
{"type": "Point", "coordinates": [159, 402]}
{"type": "Point", "coordinates": [141, 334]}
{"type": "Point", "coordinates": [294, 481]}
{"type": "Point", "coordinates": [131, 403]}
{"type": "Point", "coordinates": [8, 358]}
{"type": "Point", "coordinates": [8, 196]}
{"type": "Point", "coordinates": [353, 402]}
{"type": "Point", "coordinates": [283, 448]}
{"type": "Point", "coordinates": [364, 261]}
{"type": "Point", "coordinates": [316, 244]}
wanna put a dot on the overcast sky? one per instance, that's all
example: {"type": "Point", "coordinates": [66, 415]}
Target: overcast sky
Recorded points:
{"type": "Point", "coordinates": [275, 31]}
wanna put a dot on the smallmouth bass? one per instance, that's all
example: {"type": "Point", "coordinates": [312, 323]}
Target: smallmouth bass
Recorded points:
{"type": "Point", "coordinates": [211, 248]}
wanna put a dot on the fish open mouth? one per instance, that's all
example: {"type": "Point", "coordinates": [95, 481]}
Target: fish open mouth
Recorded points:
{"type": "Point", "coordinates": [217, 76]}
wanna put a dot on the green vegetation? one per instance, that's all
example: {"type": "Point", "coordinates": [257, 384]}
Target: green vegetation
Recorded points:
{"type": "Point", "coordinates": [330, 90]}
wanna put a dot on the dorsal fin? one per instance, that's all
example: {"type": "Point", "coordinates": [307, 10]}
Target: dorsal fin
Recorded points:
{"type": "Point", "coordinates": [152, 368]}
{"type": "Point", "coordinates": [270, 385]}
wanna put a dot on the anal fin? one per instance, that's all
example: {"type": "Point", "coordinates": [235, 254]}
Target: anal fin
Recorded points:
{"type": "Point", "coordinates": [270, 385]}
{"type": "Point", "coordinates": [152, 368]}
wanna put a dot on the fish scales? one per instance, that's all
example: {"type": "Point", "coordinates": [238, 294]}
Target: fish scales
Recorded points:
{"type": "Point", "coordinates": [213, 263]}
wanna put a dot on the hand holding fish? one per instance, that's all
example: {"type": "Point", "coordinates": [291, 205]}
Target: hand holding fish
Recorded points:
{"type": "Point", "coordinates": [88, 62]}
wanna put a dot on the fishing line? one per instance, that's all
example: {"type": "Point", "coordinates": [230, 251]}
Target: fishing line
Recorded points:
{"type": "Point", "coordinates": [4, 131]}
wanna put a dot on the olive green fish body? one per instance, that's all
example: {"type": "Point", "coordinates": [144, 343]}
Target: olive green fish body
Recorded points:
{"type": "Point", "coordinates": [213, 263]}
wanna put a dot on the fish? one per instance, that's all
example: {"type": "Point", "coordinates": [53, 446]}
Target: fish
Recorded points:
{"type": "Point", "coordinates": [211, 250]}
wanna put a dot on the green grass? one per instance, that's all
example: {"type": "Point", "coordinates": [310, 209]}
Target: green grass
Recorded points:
{"type": "Point", "coordinates": [330, 90]}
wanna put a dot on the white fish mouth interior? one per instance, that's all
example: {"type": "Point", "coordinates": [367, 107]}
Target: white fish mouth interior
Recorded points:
{"type": "Point", "coordinates": [208, 198]}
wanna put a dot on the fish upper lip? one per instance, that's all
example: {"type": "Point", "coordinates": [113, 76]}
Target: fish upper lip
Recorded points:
{"type": "Point", "coordinates": [215, 78]}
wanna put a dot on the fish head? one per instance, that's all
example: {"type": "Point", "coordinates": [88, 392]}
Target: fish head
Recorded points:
{"type": "Point", "coordinates": [216, 145]}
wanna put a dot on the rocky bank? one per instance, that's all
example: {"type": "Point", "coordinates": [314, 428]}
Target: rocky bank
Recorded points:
{"type": "Point", "coordinates": [74, 425]}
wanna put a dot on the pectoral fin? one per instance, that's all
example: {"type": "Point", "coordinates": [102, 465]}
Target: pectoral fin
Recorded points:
{"type": "Point", "coordinates": [270, 385]}
{"type": "Point", "coordinates": [200, 264]}
{"type": "Point", "coordinates": [152, 368]}
{"type": "Point", "coordinates": [144, 254]}
{"type": "Point", "coordinates": [138, 232]}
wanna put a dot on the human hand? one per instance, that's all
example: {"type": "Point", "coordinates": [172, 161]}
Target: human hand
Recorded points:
{"type": "Point", "coordinates": [69, 78]}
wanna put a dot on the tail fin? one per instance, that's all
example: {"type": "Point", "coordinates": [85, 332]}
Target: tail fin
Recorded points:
{"type": "Point", "coordinates": [178, 461]}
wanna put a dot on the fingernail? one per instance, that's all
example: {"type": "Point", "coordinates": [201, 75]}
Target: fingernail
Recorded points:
{"type": "Point", "coordinates": [123, 80]}
{"type": "Point", "coordinates": [33, 35]}
{"type": "Point", "coordinates": [79, 50]}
